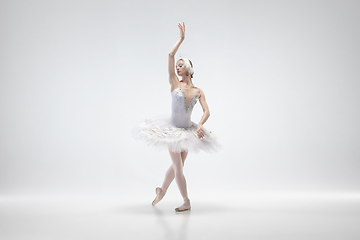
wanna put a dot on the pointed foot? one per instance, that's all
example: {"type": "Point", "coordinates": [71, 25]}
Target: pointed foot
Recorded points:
{"type": "Point", "coordinates": [160, 193]}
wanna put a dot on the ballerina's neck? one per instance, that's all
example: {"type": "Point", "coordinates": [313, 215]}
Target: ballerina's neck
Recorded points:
{"type": "Point", "coordinates": [187, 81]}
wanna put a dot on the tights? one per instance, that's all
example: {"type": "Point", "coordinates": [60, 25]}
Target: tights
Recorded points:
{"type": "Point", "coordinates": [176, 171]}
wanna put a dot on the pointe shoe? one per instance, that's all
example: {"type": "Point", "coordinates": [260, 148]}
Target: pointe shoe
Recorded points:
{"type": "Point", "coordinates": [159, 195]}
{"type": "Point", "coordinates": [185, 206]}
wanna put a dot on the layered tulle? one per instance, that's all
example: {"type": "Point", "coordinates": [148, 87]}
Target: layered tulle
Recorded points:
{"type": "Point", "coordinates": [162, 134]}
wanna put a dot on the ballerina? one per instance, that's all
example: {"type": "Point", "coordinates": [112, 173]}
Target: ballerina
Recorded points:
{"type": "Point", "coordinates": [178, 133]}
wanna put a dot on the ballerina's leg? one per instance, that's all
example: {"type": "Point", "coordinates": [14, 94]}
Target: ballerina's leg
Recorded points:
{"type": "Point", "coordinates": [179, 175]}
{"type": "Point", "coordinates": [170, 173]}
{"type": "Point", "coordinates": [169, 177]}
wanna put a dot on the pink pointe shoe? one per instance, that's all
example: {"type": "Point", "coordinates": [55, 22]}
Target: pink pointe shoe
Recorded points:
{"type": "Point", "coordinates": [159, 195]}
{"type": "Point", "coordinates": [184, 207]}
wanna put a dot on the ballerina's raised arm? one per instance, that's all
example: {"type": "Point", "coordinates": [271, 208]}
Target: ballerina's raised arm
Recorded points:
{"type": "Point", "coordinates": [173, 79]}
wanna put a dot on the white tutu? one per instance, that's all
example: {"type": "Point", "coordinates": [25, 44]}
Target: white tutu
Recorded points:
{"type": "Point", "coordinates": [177, 133]}
{"type": "Point", "coordinates": [162, 134]}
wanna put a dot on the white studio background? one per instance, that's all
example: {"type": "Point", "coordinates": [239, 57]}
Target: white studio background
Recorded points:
{"type": "Point", "coordinates": [281, 79]}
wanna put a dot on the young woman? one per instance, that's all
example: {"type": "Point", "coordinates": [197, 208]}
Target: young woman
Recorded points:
{"type": "Point", "coordinates": [178, 133]}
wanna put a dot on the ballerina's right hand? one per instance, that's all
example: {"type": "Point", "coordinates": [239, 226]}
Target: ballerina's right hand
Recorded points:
{"type": "Point", "coordinates": [182, 30]}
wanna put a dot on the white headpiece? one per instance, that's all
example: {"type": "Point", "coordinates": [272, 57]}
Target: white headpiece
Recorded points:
{"type": "Point", "coordinates": [188, 66]}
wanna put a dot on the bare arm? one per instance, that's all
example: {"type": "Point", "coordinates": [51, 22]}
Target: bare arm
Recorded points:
{"type": "Point", "coordinates": [200, 131]}
{"type": "Point", "coordinates": [173, 79]}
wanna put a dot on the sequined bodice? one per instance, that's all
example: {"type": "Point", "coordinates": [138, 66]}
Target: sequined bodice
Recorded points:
{"type": "Point", "coordinates": [181, 112]}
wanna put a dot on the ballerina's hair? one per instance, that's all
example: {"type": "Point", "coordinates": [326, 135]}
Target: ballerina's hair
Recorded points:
{"type": "Point", "coordinates": [188, 66]}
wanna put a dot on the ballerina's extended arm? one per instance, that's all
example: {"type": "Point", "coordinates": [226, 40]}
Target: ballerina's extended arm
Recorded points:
{"type": "Point", "coordinates": [200, 130]}
{"type": "Point", "coordinates": [173, 79]}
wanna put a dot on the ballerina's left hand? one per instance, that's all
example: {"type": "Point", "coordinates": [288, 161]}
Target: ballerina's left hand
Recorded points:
{"type": "Point", "coordinates": [200, 131]}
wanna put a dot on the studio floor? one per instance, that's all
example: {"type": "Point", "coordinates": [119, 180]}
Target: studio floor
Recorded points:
{"type": "Point", "coordinates": [233, 216]}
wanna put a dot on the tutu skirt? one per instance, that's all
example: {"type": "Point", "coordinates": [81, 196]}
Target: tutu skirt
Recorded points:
{"type": "Point", "coordinates": [163, 134]}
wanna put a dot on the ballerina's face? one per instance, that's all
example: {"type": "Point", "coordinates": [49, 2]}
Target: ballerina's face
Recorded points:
{"type": "Point", "coordinates": [180, 68]}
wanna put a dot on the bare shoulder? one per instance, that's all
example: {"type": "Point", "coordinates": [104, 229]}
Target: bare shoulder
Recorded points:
{"type": "Point", "coordinates": [196, 89]}
{"type": "Point", "coordinates": [199, 91]}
